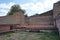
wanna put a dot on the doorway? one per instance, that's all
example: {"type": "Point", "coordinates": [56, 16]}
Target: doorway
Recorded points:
{"type": "Point", "coordinates": [11, 27]}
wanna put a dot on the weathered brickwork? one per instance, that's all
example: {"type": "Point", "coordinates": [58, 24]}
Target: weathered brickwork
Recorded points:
{"type": "Point", "coordinates": [56, 12]}
{"type": "Point", "coordinates": [46, 21]}
{"type": "Point", "coordinates": [56, 9]}
{"type": "Point", "coordinates": [4, 28]}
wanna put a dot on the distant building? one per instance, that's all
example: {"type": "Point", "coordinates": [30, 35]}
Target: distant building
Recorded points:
{"type": "Point", "coordinates": [49, 20]}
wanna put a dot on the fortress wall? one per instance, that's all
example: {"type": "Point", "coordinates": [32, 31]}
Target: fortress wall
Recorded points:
{"type": "Point", "coordinates": [56, 9]}
{"type": "Point", "coordinates": [58, 24]}
{"type": "Point", "coordinates": [41, 20]}
{"type": "Point", "coordinates": [56, 14]}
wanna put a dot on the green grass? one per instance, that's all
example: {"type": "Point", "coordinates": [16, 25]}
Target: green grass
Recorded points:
{"type": "Point", "coordinates": [29, 36]}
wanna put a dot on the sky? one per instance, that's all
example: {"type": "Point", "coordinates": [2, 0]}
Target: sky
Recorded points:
{"type": "Point", "coordinates": [30, 6]}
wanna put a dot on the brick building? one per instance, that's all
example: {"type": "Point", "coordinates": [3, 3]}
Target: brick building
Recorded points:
{"type": "Point", "coordinates": [46, 21]}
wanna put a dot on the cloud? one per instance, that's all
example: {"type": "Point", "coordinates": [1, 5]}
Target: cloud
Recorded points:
{"type": "Point", "coordinates": [39, 7]}
{"type": "Point", "coordinates": [3, 12]}
{"type": "Point", "coordinates": [33, 6]}
{"type": "Point", "coordinates": [4, 7]}
{"type": "Point", "coordinates": [49, 3]}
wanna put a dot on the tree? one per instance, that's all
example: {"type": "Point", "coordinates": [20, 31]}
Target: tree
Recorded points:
{"type": "Point", "coordinates": [15, 8]}
{"type": "Point", "coordinates": [36, 14]}
{"type": "Point", "coordinates": [26, 15]}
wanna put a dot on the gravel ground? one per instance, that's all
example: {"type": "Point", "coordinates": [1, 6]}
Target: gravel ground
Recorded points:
{"type": "Point", "coordinates": [28, 36]}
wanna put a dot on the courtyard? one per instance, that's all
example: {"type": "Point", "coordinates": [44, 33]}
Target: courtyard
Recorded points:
{"type": "Point", "coordinates": [29, 36]}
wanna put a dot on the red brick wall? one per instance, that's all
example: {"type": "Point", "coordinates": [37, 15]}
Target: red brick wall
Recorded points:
{"type": "Point", "coordinates": [41, 20]}
{"type": "Point", "coordinates": [38, 27]}
{"type": "Point", "coordinates": [4, 28]}
{"type": "Point", "coordinates": [41, 27]}
{"type": "Point", "coordinates": [56, 13]}
{"type": "Point", "coordinates": [19, 17]}
{"type": "Point", "coordinates": [56, 9]}
{"type": "Point", "coordinates": [58, 24]}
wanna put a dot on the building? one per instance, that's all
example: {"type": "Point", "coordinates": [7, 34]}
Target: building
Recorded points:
{"type": "Point", "coordinates": [46, 21]}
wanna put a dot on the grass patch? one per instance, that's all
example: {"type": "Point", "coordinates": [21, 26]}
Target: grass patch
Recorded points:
{"type": "Point", "coordinates": [49, 36]}
{"type": "Point", "coordinates": [30, 36]}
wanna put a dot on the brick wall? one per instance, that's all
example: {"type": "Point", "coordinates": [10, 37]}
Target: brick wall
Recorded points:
{"type": "Point", "coordinates": [41, 20]}
{"type": "Point", "coordinates": [37, 22]}
{"type": "Point", "coordinates": [36, 27]}
{"type": "Point", "coordinates": [58, 24]}
{"type": "Point", "coordinates": [4, 28]}
{"type": "Point", "coordinates": [19, 17]}
{"type": "Point", "coordinates": [56, 9]}
{"type": "Point", "coordinates": [56, 12]}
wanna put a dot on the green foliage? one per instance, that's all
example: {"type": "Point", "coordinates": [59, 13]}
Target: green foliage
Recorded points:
{"type": "Point", "coordinates": [15, 8]}
{"type": "Point", "coordinates": [30, 36]}
{"type": "Point", "coordinates": [36, 14]}
{"type": "Point", "coordinates": [26, 15]}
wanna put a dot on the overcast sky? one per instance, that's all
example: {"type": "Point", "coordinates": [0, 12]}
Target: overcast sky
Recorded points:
{"type": "Point", "coordinates": [31, 6]}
